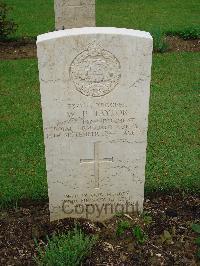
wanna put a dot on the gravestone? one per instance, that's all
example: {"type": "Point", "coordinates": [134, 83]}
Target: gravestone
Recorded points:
{"type": "Point", "coordinates": [95, 87]}
{"type": "Point", "coordinates": [74, 13]}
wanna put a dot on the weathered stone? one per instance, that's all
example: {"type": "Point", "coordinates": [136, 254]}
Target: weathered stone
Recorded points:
{"type": "Point", "coordinates": [95, 87]}
{"type": "Point", "coordinates": [74, 13]}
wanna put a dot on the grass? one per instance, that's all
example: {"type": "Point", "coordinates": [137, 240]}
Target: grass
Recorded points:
{"type": "Point", "coordinates": [32, 16]}
{"type": "Point", "coordinates": [168, 16]}
{"type": "Point", "coordinates": [37, 16]}
{"type": "Point", "coordinates": [172, 157]}
{"type": "Point", "coordinates": [66, 249]}
{"type": "Point", "coordinates": [22, 168]}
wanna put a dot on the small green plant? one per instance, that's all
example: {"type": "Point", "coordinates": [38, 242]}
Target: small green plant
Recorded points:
{"type": "Point", "coordinates": [138, 233]}
{"type": "Point", "coordinates": [196, 229]}
{"type": "Point", "coordinates": [66, 249]}
{"type": "Point", "coordinates": [7, 26]}
{"type": "Point", "coordinates": [119, 214]}
{"type": "Point", "coordinates": [190, 33]}
{"type": "Point", "coordinates": [147, 218]}
{"type": "Point", "coordinates": [159, 41]}
{"type": "Point", "coordinates": [166, 237]}
{"type": "Point", "coordinates": [122, 226]}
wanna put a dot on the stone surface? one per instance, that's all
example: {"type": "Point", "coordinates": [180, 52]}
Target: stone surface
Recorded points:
{"type": "Point", "coordinates": [95, 87]}
{"type": "Point", "coordinates": [74, 13]}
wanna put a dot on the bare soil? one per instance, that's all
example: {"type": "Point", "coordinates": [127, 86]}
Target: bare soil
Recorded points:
{"type": "Point", "coordinates": [174, 214]}
{"type": "Point", "coordinates": [17, 49]}
{"type": "Point", "coordinates": [27, 48]}
{"type": "Point", "coordinates": [177, 44]}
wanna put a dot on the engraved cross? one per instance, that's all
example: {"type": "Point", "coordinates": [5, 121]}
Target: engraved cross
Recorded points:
{"type": "Point", "coordinates": [96, 161]}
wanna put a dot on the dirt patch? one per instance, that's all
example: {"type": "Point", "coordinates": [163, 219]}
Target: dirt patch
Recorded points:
{"type": "Point", "coordinates": [27, 48]}
{"type": "Point", "coordinates": [171, 214]}
{"type": "Point", "coordinates": [177, 44]}
{"type": "Point", "coordinates": [17, 49]}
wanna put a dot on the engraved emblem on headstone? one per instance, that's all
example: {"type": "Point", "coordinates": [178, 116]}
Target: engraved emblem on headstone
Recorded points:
{"type": "Point", "coordinates": [95, 72]}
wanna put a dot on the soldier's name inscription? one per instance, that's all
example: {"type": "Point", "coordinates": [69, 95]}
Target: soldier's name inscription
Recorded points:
{"type": "Point", "coordinates": [86, 121]}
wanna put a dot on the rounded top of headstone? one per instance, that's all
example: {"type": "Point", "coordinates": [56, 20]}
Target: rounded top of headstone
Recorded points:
{"type": "Point", "coordinates": [93, 30]}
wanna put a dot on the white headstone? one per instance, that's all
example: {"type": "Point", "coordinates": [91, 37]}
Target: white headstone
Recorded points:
{"type": "Point", "coordinates": [74, 13]}
{"type": "Point", "coordinates": [95, 87]}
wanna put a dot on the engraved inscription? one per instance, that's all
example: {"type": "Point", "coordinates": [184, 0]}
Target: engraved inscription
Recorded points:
{"type": "Point", "coordinates": [95, 119]}
{"type": "Point", "coordinates": [95, 72]}
{"type": "Point", "coordinates": [96, 161]}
